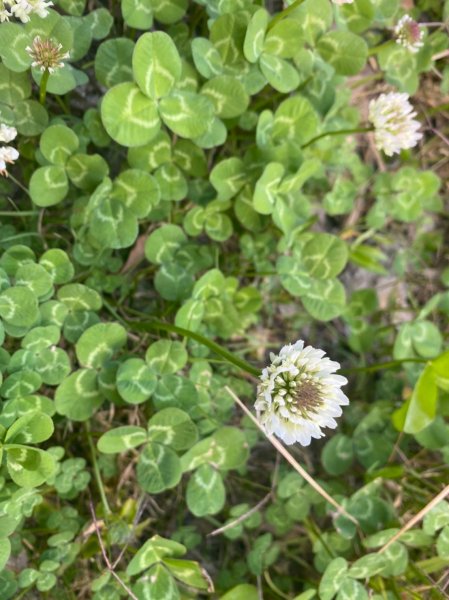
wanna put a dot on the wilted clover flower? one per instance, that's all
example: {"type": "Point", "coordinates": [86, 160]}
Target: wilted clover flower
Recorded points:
{"type": "Point", "coordinates": [46, 54]}
{"type": "Point", "coordinates": [395, 128]}
{"type": "Point", "coordinates": [8, 154]}
{"type": "Point", "coordinates": [299, 394]}
{"type": "Point", "coordinates": [409, 34]}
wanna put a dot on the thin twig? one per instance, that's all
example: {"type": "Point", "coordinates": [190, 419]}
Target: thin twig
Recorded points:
{"type": "Point", "coordinates": [417, 518]}
{"type": "Point", "coordinates": [255, 508]}
{"type": "Point", "coordinates": [286, 454]}
{"type": "Point", "coordinates": [139, 512]}
{"type": "Point", "coordinates": [105, 556]}
{"type": "Point", "coordinates": [440, 55]}
{"type": "Point", "coordinates": [243, 517]}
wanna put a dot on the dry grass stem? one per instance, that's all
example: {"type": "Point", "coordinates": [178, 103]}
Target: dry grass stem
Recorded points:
{"type": "Point", "coordinates": [417, 518]}
{"type": "Point", "coordinates": [243, 517]}
{"type": "Point", "coordinates": [106, 558]}
{"type": "Point", "coordinates": [286, 454]}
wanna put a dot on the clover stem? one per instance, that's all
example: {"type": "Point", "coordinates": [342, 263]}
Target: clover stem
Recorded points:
{"type": "Point", "coordinates": [284, 13]}
{"type": "Point", "coordinates": [20, 236]}
{"type": "Point", "coordinates": [19, 213]}
{"type": "Point", "coordinates": [43, 86]}
{"type": "Point", "coordinates": [437, 109]}
{"type": "Point", "coordinates": [273, 586]}
{"type": "Point", "coordinates": [391, 364]}
{"type": "Point", "coordinates": [104, 500]}
{"type": "Point", "coordinates": [17, 182]}
{"type": "Point", "coordinates": [338, 132]}
{"type": "Point", "coordinates": [376, 49]}
{"type": "Point", "coordinates": [155, 324]}
{"type": "Point", "coordinates": [367, 79]}
{"type": "Point", "coordinates": [62, 105]}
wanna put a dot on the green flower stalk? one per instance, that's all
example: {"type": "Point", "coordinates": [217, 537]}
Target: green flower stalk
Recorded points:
{"type": "Point", "coordinates": [47, 55]}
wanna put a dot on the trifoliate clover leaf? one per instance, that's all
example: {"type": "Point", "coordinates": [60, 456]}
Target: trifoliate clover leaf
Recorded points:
{"type": "Point", "coordinates": [28, 467]}
{"type": "Point", "coordinates": [137, 13]}
{"type": "Point", "coordinates": [206, 493]}
{"type": "Point", "coordinates": [227, 95]}
{"type": "Point", "coordinates": [121, 439]}
{"type": "Point", "coordinates": [58, 265]}
{"type": "Point", "coordinates": [163, 243]}
{"type": "Point", "coordinates": [171, 183]}
{"type": "Point", "coordinates": [49, 185]}
{"type": "Point", "coordinates": [187, 114]}
{"type": "Point", "coordinates": [152, 155]}
{"type": "Point", "coordinates": [158, 468]}
{"type": "Point", "coordinates": [136, 381]}
{"type": "Point", "coordinates": [99, 343]}
{"type": "Point", "coordinates": [113, 61]}
{"type": "Point", "coordinates": [41, 337]}
{"type": "Point", "coordinates": [32, 428]}
{"type": "Point", "coordinates": [138, 191]}
{"type": "Point", "coordinates": [77, 296]}
{"type": "Point", "coordinates": [156, 64]}
{"type": "Point", "coordinates": [152, 552]}
{"type": "Point", "coordinates": [129, 117]}
{"type": "Point", "coordinates": [76, 323]}
{"type": "Point", "coordinates": [86, 171]}
{"type": "Point", "coordinates": [53, 312]}
{"type": "Point", "coordinates": [174, 390]}
{"type": "Point", "coordinates": [37, 279]}
{"type": "Point", "coordinates": [58, 143]}
{"type": "Point", "coordinates": [19, 307]}
{"type": "Point", "coordinates": [255, 35]}
{"type": "Point", "coordinates": [172, 427]}
{"type": "Point", "coordinates": [52, 364]}
{"type": "Point", "coordinates": [206, 57]}
{"type": "Point", "coordinates": [78, 396]}
{"type": "Point", "coordinates": [166, 356]}
{"type": "Point", "coordinates": [21, 383]}
{"type": "Point", "coordinates": [14, 257]}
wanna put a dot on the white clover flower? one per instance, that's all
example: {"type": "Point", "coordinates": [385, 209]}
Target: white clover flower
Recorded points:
{"type": "Point", "coordinates": [409, 34]}
{"type": "Point", "coordinates": [47, 55]}
{"type": "Point", "coordinates": [395, 128]}
{"type": "Point", "coordinates": [8, 154]}
{"type": "Point", "coordinates": [40, 7]}
{"type": "Point", "coordinates": [7, 134]}
{"type": "Point", "coordinates": [299, 394]}
{"type": "Point", "coordinates": [24, 8]}
{"type": "Point", "coordinates": [22, 11]}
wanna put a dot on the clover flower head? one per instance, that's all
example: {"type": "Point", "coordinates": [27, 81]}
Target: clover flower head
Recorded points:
{"type": "Point", "coordinates": [300, 394]}
{"type": "Point", "coordinates": [24, 8]}
{"type": "Point", "coordinates": [395, 128]}
{"type": "Point", "coordinates": [40, 7]}
{"type": "Point", "coordinates": [409, 34]}
{"type": "Point", "coordinates": [7, 134]}
{"type": "Point", "coordinates": [46, 54]}
{"type": "Point", "coordinates": [8, 154]}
